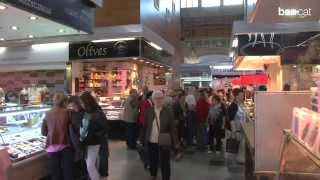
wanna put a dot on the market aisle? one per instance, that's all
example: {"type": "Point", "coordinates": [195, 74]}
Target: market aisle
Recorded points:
{"type": "Point", "coordinates": [126, 165]}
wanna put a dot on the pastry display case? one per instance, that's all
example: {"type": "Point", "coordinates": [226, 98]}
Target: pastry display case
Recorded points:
{"type": "Point", "coordinates": [20, 129]}
{"type": "Point", "coordinates": [20, 135]}
{"type": "Point", "coordinates": [113, 107]}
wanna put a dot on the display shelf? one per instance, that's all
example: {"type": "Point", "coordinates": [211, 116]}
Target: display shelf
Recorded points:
{"type": "Point", "coordinates": [297, 160]}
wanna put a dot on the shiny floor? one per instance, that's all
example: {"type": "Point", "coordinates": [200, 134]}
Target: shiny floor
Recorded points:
{"type": "Point", "coordinates": [126, 165]}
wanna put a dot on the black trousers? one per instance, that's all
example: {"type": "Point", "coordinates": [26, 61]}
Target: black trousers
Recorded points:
{"type": "Point", "coordinates": [132, 135]}
{"type": "Point", "coordinates": [215, 135]}
{"type": "Point", "coordinates": [61, 165]}
{"type": "Point", "coordinates": [159, 156]}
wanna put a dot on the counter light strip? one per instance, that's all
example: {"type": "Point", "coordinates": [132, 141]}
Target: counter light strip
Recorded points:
{"type": "Point", "coordinates": [23, 112]}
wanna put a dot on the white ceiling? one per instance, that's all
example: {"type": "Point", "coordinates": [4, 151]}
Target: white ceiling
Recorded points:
{"type": "Point", "coordinates": [41, 27]}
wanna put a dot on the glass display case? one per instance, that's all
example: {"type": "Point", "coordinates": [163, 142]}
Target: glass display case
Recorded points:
{"type": "Point", "coordinates": [20, 131]}
{"type": "Point", "coordinates": [113, 107]}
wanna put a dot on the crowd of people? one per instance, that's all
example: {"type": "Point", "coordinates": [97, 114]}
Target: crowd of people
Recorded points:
{"type": "Point", "coordinates": [159, 124]}
{"type": "Point", "coordinates": [162, 122]}
{"type": "Point", "coordinates": [77, 138]}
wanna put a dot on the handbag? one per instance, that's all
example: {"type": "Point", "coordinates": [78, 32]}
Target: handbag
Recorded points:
{"type": "Point", "coordinates": [232, 145]}
{"type": "Point", "coordinates": [164, 138]}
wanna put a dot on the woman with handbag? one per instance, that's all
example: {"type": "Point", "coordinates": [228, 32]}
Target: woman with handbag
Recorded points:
{"type": "Point", "coordinates": [93, 133]}
{"type": "Point", "coordinates": [236, 116]}
{"type": "Point", "coordinates": [159, 135]}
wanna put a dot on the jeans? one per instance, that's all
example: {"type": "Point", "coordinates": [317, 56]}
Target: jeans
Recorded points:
{"type": "Point", "coordinates": [61, 164]}
{"type": "Point", "coordinates": [162, 154]}
{"type": "Point", "coordinates": [92, 159]}
{"type": "Point", "coordinates": [132, 135]}
{"type": "Point", "coordinates": [191, 126]}
{"type": "Point", "coordinates": [200, 135]}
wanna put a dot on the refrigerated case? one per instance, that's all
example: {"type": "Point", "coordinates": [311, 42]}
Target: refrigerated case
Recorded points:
{"type": "Point", "coordinates": [20, 130]}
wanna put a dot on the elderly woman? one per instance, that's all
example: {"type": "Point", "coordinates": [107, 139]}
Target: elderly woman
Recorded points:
{"type": "Point", "coordinates": [160, 135]}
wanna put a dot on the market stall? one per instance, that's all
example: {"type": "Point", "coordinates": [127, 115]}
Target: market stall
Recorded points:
{"type": "Point", "coordinates": [111, 68]}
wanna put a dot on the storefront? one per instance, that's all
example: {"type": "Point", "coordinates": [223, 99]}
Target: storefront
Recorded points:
{"type": "Point", "coordinates": [111, 68]}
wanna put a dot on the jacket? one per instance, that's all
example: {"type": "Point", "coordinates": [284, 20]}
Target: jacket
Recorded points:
{"type": "Point", "coordinates": [131, 110]}
{"type": "Point", "coordinates": [143, 109]}
{"type": "Point", "coordinates": [202, 110]}
{"type": "Point", "coordinates": [167, 124]}
{"type": "Point", "coordinates": [94, 128]}
{"type": "Point", "coordinates": [56, 126]}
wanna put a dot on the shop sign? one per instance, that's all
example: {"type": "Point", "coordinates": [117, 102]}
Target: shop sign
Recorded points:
{"type": "Point", "coordinates": [301, 13]}
{"type": "Point", "coordinates": [89, 50]}
{"type": "Point", "coordinates": [98, 3]}
{"type": "Point", "coordinates": [74, 13]}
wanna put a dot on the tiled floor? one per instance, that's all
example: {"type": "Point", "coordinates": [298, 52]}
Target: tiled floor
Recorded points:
{"type": "Point", "coordinates": [126, 165]}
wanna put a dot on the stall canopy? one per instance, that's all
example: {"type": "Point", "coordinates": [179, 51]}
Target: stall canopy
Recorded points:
{"type": "Point", "coordinates": [251, 80]}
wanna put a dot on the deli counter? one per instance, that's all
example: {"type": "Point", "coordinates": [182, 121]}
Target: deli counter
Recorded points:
{"type": "Point", "coordinates": [20, 136]}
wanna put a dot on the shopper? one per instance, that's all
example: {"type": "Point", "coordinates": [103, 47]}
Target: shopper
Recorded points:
{"type": "Point", "coordinates": [160, 135]}
{"type": "Point", "coordinates": [56, 126]}
{"type": "Point", "coordinates": [236, 115]}
{"type": "Point", "coordinates": [202, 116]}
{"type": "Point", "coordinates": [76, 113]}
{"type": "Point", "coordinates": [216, 120]}
{"type": "Point", "coordinates": [191, 117]}
{"type": "Point", "coordinates": [130, 116]}
{"type": "Point", "coordinates": [93, 134]}
{"type": "Point", "coordinates": [145, 106]}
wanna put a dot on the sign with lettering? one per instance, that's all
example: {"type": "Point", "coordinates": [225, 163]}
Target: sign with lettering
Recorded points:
{"type": "Point", "coordinates": [74, 13]}
{"type": "Point", "coordinates": [118, 49]}
{"type": "Point", "coordinates": [282, 11]}
{"type": "Point", "coordinates": [301, 13]}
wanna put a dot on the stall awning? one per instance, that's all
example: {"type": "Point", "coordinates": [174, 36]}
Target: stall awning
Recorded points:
{"type": "Point", "coordinates": [251, 80]}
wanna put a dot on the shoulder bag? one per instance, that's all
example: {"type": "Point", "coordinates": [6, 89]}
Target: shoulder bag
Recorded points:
{"type": "Point", "coordinates": [164, 138]}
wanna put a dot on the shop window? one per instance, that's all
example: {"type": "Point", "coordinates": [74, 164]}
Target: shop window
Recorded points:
{"type": "Point", "coordinates": [211, 3]}
{"type": "Point", "coordinates": [232, 2]}
{"type": "Point", "coordinates": [189, 3]}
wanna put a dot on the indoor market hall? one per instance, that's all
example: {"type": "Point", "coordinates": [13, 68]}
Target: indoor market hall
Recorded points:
{"type": "Point", "coordinates": [159, 90]}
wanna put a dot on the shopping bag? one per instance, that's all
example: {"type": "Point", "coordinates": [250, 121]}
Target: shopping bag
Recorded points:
{"type": "Point", "coordinates": [232, 145]}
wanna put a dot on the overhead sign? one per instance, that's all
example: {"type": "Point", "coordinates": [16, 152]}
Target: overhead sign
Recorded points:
{"type": "Point", "coordinates": [98, 3]}
{"type": "Point", "coordinates": [117, 49]}
{"type": "Point", "coordinates": [74, 13]}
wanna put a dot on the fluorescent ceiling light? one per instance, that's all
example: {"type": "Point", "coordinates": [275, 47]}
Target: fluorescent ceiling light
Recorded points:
{"type": "Point", "coordinates": [30, 36]}
{"type": "Point", "coordinates": [2, 7]}
{"type": "Point", "coordinates": [2, 49]}
{"type": "Point", "coordinates": [223, 67]}
{"type": "Point", "coordinates": [15, 28]}
{"type": "Point", "coordinates": [235, 42]}
{"type": "Point", "coordinates": [231, 54]}
{"type": "Point", "coordinates": [112, 40]}
{"type": "Point", "coordinates": [61, 30]}
{"type": "Point", "coordinates": [154, 45]}
{"type": "Point", "coordinates": [50, 46]}
{"type": "Point", "coordinates": [2, 39]}
{"type": "Point", "coordinates": [33, 18]}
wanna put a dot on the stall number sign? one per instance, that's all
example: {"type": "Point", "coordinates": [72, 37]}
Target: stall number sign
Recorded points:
{"type": "Point", "coordinates": [301, 13]}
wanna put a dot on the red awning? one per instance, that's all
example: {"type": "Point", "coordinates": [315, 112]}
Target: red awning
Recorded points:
{"type": "Point", "coordinates": [251, 79]}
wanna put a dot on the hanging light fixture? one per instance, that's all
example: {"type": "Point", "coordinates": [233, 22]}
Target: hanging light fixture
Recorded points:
{"type": "Point", "coordinates": [193, 58]}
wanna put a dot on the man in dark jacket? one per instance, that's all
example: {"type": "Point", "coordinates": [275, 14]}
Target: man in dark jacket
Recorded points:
{"type": "Point", "coordinates": [159, 124]}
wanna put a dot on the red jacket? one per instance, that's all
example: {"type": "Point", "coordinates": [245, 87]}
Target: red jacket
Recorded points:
{"type": "Point", "coordinates": [143, 109]}
{"type": "Point", "coordinates": [202, 110]}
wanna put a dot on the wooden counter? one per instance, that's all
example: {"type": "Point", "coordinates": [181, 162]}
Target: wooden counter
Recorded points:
{"type": "Point", "coordinates": [33, 168]}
